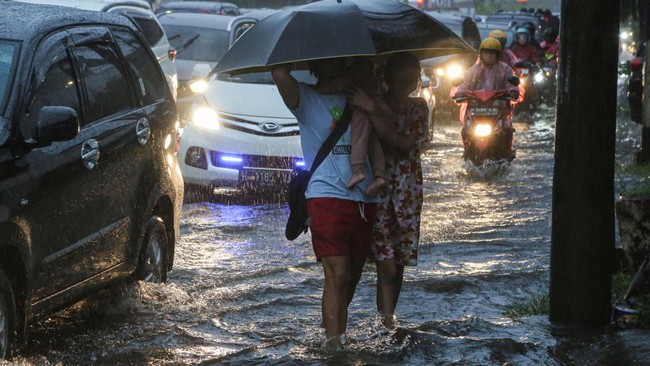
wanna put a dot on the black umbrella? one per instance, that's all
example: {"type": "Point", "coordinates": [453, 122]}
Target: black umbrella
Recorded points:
{"type": "Point", "coordinates": [340, 28]}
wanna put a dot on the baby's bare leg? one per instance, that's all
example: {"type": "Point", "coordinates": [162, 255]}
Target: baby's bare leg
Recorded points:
{"type": "Point", "coordinates": [378, 161]}
{"type": "Point", "coordinates": [359, 146]}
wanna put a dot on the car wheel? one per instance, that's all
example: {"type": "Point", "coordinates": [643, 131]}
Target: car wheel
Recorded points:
{"type": "Point", "coordinates": [7, 316]}
{"type": "Point", "coordinates": [153, 261]}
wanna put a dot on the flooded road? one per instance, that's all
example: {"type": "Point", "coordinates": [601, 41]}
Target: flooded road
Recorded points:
{"type": "Point", "coordinates": [240, 294]}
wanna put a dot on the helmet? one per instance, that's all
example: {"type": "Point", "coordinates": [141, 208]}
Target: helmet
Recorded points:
{"type": "Point", "coordinates": [522, 30]}
{"type": "Point", "coordinates": [549, 35]}
{"type": "Point", "coordinates": [490, 43]}
{"type": "Point", "coordinates": [531, 28]}
{"type": "Point", "coordinates": [500, 35]}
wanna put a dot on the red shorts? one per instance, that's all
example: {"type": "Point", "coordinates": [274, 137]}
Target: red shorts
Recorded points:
{"type": "Point", "coordinates": [338, 228]}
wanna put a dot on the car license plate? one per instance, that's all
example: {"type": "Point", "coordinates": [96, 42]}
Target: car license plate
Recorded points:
{"type": "Point", "coordinates": [277, 179]}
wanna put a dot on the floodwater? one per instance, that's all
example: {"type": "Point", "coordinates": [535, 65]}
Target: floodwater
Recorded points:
{"type": "Point", "coordinates": [240, 294]}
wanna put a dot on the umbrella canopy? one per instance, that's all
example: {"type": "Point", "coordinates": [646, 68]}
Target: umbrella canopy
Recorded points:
{"type": "Point", "coordinates": [340, 28]}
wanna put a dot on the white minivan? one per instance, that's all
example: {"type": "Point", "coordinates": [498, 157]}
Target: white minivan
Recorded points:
{"type": "Point", "coordinates": [241, 135]}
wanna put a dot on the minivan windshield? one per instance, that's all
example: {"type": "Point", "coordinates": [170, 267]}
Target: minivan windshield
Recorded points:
{"type": "Point", "coordinates": [198, 44]}
{"type": "Point", "coordinates": [7, 55]}
{"type": "Point", "coordinates": [303, 76]}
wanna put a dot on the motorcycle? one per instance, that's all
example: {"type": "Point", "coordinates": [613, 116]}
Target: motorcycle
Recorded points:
{"type": "Point", "coordinates": [548, 82]}
{"type": "Point", "coordinates": [487, 132]}
{"type": "Point", "coordinates": [539, 82]}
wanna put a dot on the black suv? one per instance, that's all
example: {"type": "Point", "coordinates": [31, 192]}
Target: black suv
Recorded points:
{"type": "Point", "coordinates": [90, 190]}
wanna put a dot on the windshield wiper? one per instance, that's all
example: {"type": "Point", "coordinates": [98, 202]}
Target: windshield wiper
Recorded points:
{"type": "Point", "coordinates": [187, 43]}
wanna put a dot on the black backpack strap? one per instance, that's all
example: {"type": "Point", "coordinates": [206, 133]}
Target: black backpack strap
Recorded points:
{"type": "Point", "coordinates": [340, 128]}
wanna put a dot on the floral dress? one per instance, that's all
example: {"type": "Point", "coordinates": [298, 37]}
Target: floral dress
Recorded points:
{"type": "Point", "coordinates": [396, 232]}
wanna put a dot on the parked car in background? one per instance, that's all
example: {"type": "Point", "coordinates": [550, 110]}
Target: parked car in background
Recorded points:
{"type": "Point", "coordinates": [200, 41]}
{"type": "Point", "coordinates": [83, 106]}
{"type": "Point", "coordinates": [204, 7]}
{"type": "Point", "coordinates": [139, 11]}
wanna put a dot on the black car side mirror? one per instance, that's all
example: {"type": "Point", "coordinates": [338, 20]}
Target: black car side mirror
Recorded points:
{"type": "Point", "coordinates": [56, 123]}
{"type": "Point", "coordinates": [514, 80]}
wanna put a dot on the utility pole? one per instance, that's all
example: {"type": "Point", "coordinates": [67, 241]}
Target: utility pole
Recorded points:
{"type": "Point", "coordinates": [643, 156]}
{"type": "Point", "coordinates": [582, 235]}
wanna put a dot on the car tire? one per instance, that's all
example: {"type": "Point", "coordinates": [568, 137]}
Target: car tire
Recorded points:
{"type": "Point", "coordinates": [7, 317]}
{"type": "Point", "coordinates": [153, 260]}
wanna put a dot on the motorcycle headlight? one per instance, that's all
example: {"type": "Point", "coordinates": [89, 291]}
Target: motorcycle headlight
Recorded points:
{"type": "Point", "coordinates": [206, 118]}
{"type": "Point", "coordinates": [483, 130]}
{"type": "Point", "coordinates": [454, 71]}
{"type": "Point", "coordinates": [539, 77]}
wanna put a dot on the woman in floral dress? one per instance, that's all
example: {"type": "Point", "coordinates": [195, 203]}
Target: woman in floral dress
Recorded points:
{"type": "Point", "coordinates": [404, 136]}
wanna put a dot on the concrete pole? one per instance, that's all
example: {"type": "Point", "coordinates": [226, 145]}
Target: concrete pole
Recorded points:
{"type": "Point", "coordinates": [643, 156]}
{"type": "Point", "coordinates": [582, 235]}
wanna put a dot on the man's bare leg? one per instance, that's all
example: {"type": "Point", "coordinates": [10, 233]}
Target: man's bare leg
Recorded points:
{"type": "Point", "coordinates": [335, 298]}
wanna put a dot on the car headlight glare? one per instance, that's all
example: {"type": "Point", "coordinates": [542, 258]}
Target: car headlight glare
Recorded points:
{"type": "Point", "coordinates": [199, 86]}
{"type": "Point", "coordinates": [205, 118]}
{"type": "Point", "coordinates": [539, 78]}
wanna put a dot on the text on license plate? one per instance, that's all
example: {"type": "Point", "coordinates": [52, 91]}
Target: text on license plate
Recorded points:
{"type": "Point", "coordinates": [265, 178]}
{"type": "Point", "coordinates": [485, 111]}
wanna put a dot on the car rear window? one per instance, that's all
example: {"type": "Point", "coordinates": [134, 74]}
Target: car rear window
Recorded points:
{"type": "Point", "coordinates": [7, 52]}
{"type": "Point", "coordinates": [198, 44]}
{"type": "Point", "coordinates": [509, 33]}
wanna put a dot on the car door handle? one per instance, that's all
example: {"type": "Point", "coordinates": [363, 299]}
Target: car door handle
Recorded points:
{"type": "Point", "coordinates": [143, 130]}
{"type": "Point", "coordinates": [90, 154]}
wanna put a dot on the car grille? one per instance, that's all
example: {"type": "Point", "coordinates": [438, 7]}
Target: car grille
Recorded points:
{"type": "Point", "coordinates": [254, 128]}
{"type": "Point", "coordinates": [254, 161]}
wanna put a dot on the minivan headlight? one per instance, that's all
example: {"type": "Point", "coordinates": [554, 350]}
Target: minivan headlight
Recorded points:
{"type": "Point", "coordinates": [206, 118]}
{"type": "Point", "coordinates": [199, 86]}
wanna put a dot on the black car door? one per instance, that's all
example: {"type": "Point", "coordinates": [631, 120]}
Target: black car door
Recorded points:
{"type": "Point", "coordinates": [64, 209]}
{"type": "Point", "coordinates": [138, 155]}
{"type": "Point", "coordinates": [122, 127]}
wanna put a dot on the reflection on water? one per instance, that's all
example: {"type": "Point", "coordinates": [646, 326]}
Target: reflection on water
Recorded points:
{"type": "Point", "coordinates": [241, 294]}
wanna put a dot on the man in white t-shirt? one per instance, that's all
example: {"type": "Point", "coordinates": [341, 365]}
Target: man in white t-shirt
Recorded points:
{"type": "Point", "coordinates": [341, 218]}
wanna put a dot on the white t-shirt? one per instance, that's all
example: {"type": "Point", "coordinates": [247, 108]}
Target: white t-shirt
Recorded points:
{"type": "Point", "coordinates": [315, 122]}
